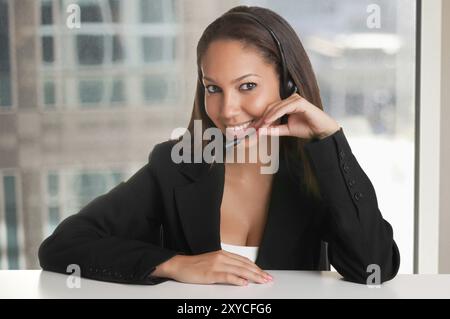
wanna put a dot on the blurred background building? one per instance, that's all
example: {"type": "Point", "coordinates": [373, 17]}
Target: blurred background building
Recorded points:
{"type": "Point", "coordinates": [81, 108]}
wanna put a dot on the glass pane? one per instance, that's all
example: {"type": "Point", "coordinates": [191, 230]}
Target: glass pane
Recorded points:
{"type": "Point", "coordinates": [46, 12]}
{"type": "Point", "coordinates": [53, 184]}
{"type": "Point", "coordinates": [90, 49]}
{"type": "Point", "coordinates": [90, 12]}
{"type": "Point", "coordinates": [53, 218]}
{"type": "Point", "coordinates": [155, 88]}
{"type": "Point", "coordinates": [151, 11]}
{"type": "Point", "coordinates": [118, 92]}
{"type": "Point", "coordinates": [174, 48]}
{"type": "Point", "coordinates": [152, 48]}
{"type": "Point", "coordinates": [9, 186]}
{"type": "Point", "coordinates": [91, 91]}
{"type": "Point", "coordinates": [47, 49]}
{"type": "Point", "coordinates": [5, 67]}
{"type": "Point", "coordinates": [118, 52]}
{"type": "Point", "coordinates": [115, 10]}
{"type": "Point", "coordinates": [49, 93]}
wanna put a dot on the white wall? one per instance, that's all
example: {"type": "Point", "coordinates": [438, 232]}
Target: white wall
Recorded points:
{"type": "Point", "coordinates": [444, 218]}
{"type": "Point", "coordinates": [434, 190]}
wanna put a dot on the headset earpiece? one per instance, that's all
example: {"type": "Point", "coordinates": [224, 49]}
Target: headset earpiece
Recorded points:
{"type": "Point", "coordinates": [289, 89]}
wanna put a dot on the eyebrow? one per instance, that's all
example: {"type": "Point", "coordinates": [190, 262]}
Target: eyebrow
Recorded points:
{"type": "Point", "coordinates": [234, 81]}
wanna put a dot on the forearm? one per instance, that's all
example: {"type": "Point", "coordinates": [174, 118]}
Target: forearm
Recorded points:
{"type": "Point", "coordinates": [358, 234]}
{"type": "Point", "coordinates": [168, 268]}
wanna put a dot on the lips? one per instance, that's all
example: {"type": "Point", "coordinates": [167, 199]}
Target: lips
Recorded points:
{"type": "Point", "coordinates": [240, 126]}
{"type": "Point", "coordinates": [240, 130]}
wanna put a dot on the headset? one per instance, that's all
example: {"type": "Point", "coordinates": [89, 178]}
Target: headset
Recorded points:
{"type": "Point", "coordinates": [287, 85]}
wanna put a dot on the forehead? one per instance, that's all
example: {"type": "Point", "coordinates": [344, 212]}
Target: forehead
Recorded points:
{"type": "Point", "coordinates": [230, 56]}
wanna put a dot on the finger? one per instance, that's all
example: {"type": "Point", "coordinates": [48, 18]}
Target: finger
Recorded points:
{"type": "Point", "coordinates": [301, 131]}
{"type": "Point", "coordinates": [260, 122]}
{"type": "Point", "coordinates": [241, 261]}
{"type": "Point", "coordinates": [278, 113]}
{"type": "Point", "coordinates": [279, 130]}
{"type": "Point", "coordinates": [229, 278]}
{"type": "Point", "coordinates": [282, 103]}
{"type": "Point", "coordinates": [274, 105]}
{"type": "Point", "coordinates": [256, 273]}
{"type": "Point", "coordinates": [245, 273]}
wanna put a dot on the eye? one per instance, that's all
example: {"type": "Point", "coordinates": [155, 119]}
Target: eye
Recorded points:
{"type": "Point", "coordinates": [211, 91]}
{"type": "Point", "coordinates": [251, 84]}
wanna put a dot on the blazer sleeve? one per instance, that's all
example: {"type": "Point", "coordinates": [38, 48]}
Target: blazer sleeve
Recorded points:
{"type": "Point", "coordinates": [116, 237]}
{"type": "Point", "coordinates": [352, 223]}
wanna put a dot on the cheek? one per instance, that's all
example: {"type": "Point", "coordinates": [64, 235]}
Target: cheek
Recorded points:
{"type": "Point", "coordinates": [212, 112]}
{"type": "Point", "coordinates": [258, 105]}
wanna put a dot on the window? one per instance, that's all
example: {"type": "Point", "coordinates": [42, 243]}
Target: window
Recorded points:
{"type": "Point", "coordinates": [46, 12]}
{"type": "Point", "coordinates": [47, 49]}
{"type": "Point", "coordinates": [367, 79]}
{"type": "Point", "coordinates": [68, 190]}
{"type": "Point", "coordinates": [81, 67]}
{"type": "Point", "coordinates": [101, 96]}
{"type": "Point", "coordinates": [156, 11]}
{"type": "Point", "coordinates": [160, 89]}
{"type": "Point", "coordinates": [90, 49]}
{"type": "Point", "coordinates": [49, 93]}
{"type": "Point", "coordinates": [11, 247]}
{"type": "Point", "coordinates": [5, 59]}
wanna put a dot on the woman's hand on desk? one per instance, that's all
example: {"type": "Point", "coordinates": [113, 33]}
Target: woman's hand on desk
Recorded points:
{"type": "Point", "coordinates": [211, 268]}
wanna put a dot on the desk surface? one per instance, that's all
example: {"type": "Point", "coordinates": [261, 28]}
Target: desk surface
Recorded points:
{"type": "Point", "coordinates": [286, 284]}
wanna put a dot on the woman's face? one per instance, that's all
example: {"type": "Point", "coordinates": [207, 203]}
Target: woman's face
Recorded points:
{"type": "Point", "coordinates": [233, 97]}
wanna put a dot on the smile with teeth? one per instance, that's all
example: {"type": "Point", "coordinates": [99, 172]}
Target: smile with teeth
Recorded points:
{"type": "Point", "coordinates": [239, 131]}
{"type": "Point", "coordinates": [239, 128]}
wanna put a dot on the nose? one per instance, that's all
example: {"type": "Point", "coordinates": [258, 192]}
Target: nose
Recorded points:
{"type": "Point", "coordinates": [230, 106]}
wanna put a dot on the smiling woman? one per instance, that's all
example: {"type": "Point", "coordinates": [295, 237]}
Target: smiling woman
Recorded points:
{"type": "Point", "coordinates": [200, 222]}
{"type": "Point", "coordinates": [237, 103]}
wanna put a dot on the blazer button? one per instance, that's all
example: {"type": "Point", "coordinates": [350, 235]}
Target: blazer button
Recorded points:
{"type": "Point", "coordinates": [346, 168]}
{"type": "Point", "coordinates": [358, 195]}
{"type": "Point", "coordinates": [351, 183]}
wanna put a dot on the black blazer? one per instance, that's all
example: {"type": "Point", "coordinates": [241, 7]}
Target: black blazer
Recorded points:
{"type": "Point", "coordinates": [166, 209]}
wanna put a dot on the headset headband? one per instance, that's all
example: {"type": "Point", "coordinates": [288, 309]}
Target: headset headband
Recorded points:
{"type": "Point", "coordinates": [275, 38]}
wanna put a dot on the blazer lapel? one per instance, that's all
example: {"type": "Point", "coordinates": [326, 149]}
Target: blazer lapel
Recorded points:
{"type": "Point", "coordinates": [288, 217]}
{"type": "Point", "coordinates": [198, 205]}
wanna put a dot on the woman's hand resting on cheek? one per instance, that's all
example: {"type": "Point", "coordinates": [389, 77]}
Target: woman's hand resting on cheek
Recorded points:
{"type": "Point", "coordinates": [212, 268]}
{"type": "Point", "coordinates": [305, 120]}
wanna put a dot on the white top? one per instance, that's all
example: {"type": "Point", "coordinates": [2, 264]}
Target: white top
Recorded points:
{"type": "Point", "coordinates": [251, 252]}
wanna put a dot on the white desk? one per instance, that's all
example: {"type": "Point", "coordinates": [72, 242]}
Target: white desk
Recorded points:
{"type": "Point", "coordinates": [287, 284]}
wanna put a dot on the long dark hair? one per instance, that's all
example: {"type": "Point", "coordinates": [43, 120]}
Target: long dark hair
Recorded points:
{"type": "Point", "coordinates": [250, 33]}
